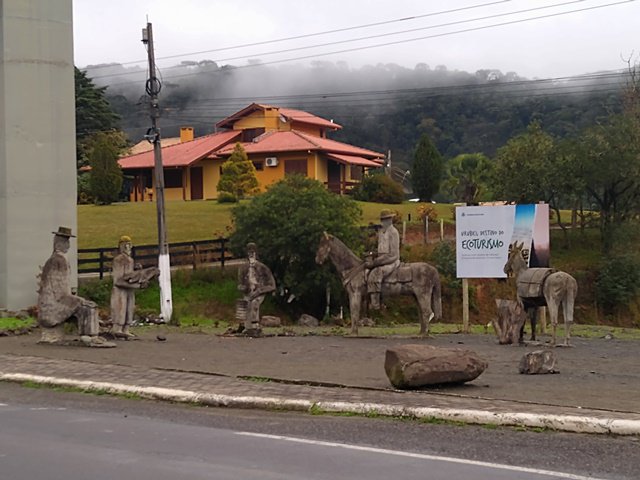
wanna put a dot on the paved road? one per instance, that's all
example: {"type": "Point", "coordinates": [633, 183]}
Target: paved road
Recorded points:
{"type": "Point", "coordinates": [58, 435]}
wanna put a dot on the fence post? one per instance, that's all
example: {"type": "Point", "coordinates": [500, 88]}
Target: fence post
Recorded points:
{"type": "Point", "coordinates": [101, 264]}
{"type": "Point", "coordinates": [222, 252]}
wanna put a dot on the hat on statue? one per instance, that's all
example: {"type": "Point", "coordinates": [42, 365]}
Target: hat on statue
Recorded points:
{"type": "Point", "coordinates": [386, 213]}
{"type": "Point", "coordinates": [64, 232]}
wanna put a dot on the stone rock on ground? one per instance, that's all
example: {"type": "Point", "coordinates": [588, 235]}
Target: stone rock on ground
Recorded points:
{"type": "Point", "coordinates": [308, 321]}
{"type": "Point", "coordinates": [417, 366]}
{"type": "Point", "coordinates": [538, 362]}
{"type": "Point", "coordinates": [270, 321]}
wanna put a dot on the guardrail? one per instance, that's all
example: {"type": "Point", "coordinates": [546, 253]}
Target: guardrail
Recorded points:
{"type": "Point", "coordinates": [195, 254]}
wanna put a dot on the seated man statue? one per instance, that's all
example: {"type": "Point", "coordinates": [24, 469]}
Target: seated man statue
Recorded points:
{"type": "Point", "coordinates": [126, 280]}
{"type": "Point", "coordinates": [255, 280]}
{"type": "Point", "coordinates": [386, 260]}
{"type": "Point", "coordinates": [56, 303]}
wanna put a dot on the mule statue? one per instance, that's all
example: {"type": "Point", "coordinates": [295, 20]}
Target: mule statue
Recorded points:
{"type": "Point", "coordinates": [418, 279]}
{"type": "Point", "coordinates": [543, 286]}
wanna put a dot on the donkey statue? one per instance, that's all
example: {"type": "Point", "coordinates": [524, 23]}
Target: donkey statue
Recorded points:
{"type": "Point", "coordinates": [418, 279]}
{"type": "Point", "coordinates": [543, 286]}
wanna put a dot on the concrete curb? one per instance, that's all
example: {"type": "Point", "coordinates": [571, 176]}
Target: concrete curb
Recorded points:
{"type": "Point", "coordinates": [566, 423]}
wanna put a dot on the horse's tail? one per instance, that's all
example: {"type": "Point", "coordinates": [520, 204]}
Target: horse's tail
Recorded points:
{"type": "Point", "coordinates": [436, 296]}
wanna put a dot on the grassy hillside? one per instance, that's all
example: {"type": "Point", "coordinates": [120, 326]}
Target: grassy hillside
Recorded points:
{"type": "Point", "coordinates": [102, 226]}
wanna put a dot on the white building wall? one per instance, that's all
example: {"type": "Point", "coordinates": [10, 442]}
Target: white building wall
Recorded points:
{"type": "Point", "coordinates": [37, 142]}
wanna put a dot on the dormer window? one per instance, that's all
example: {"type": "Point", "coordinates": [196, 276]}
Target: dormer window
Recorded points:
{"type": "Point", "coordinates": [250, 133]}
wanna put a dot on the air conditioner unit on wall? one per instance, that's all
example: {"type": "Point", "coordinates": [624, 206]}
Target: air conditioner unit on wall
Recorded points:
{"type": "Point", "coordinates": [271, 161]}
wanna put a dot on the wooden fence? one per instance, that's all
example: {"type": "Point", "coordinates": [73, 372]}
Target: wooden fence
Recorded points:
{"type": "Point", "coordinates": [194, 254]}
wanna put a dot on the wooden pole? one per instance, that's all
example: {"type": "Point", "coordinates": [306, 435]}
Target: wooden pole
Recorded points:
{"type": "Point", "coordinates": [465, 305]}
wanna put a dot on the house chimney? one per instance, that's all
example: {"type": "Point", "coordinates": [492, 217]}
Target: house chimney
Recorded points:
{"type": "Point", "coordinates": [186, 134]}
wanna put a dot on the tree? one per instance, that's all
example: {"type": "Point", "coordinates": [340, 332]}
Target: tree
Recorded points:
{"type": "Point", "coordinates": [93, 115]}
{"type": "Point", "coordinates": [106, 176]}
{"type": "Point", "coordinates": [238, 176]}
{"type": "Point", "coordinates": [377, 187]}
{"type": "Point", "coordinates": [468, 177]}
{"type": "Point", "coordinates": [610, 166]}
{"type": "Point", "coordinates": [286, 222]}
{"type": "Point", "coordinates": [427, 169]}
{"type": "Point", "coordinates": [533, 167]}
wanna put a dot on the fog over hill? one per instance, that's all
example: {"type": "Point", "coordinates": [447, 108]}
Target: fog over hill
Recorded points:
{"type": "Point", "coordinates": [383, 107]}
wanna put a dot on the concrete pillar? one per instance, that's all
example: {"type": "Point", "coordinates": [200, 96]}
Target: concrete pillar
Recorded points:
{"type": "Point", "coordinates": [37, 142]}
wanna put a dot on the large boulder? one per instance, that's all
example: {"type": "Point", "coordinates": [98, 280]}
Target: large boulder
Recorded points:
{"type": "Point", "coordinates": [416, 366]}
{"type": "Point", "coordinates": [538, 362]}
{"type": "Point", "coordinates": [270, 321]}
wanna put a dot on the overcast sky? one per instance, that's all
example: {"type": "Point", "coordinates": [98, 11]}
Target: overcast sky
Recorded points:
{"type": "Point", "coordinates": [579, 42]}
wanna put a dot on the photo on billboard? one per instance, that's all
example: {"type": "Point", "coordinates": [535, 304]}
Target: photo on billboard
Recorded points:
{"type": "Point", "coordinates": [485, 235]}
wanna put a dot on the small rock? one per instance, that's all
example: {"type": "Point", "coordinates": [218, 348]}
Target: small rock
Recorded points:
{"type": "Point", "coordinates": [538, 362]}
{"type": "Point", "coordinates": [270, 321]}
{"type": "Point", "coordinates": [308, 321]}
{"type": "Point", "coordinates": [161, 338]}
{"type": "Point", "coordinates": [366, 322]}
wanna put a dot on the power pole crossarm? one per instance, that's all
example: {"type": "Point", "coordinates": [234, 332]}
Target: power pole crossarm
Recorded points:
{"type": "Point", "coordinates": [153, 135]}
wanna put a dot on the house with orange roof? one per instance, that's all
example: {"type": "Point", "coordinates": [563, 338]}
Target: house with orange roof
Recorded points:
{"type": "Point", "coordinates": [278, 141]}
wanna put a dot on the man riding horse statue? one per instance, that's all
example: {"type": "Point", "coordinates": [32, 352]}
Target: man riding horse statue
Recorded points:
{"type": "Point", "coordinates": [386, 261]}
{"type": "Point", "coordinates": [383, 275]}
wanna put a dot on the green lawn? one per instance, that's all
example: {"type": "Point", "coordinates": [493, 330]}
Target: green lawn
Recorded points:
{"type": "Point", "coordinates": [102, 226]}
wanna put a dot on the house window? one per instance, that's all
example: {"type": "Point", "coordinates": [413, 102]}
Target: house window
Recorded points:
{"type": "Point", "coordinates": [292, 167]}
{"type": "Point", "coordinates": [356, 173]}
{"type": "Point", "coordinates": [173, 178]}
{"type": "Point", "coordinates": [259, 165]}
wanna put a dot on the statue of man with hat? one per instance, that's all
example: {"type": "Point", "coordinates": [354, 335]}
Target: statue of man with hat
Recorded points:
{"type": "Point", "coordinates": [57, 304]}
{"type": "Point", "coordinates": [255, 280]}
{"type": "Point", "coordinates": [386, 260]}
{"type": "Point", "coordinates": [126, 280]}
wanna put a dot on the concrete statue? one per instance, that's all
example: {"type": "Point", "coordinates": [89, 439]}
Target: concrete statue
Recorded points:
{"type": "Point", "coordinates": [58, 305]}
{"type": "Point", "coordinates": [543, 286]}
{"type": "Point", "coordinates": [385, 261]}
{"type": "Point", "coordinates": [418, 279]}
{"type": "Point", "coordinates": [126, 280]}
{"type": "Point", "coordinates": [255, 280]}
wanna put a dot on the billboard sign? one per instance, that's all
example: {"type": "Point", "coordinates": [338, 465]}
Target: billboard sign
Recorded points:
{"type": "Point", "coordinates": [485, 234]}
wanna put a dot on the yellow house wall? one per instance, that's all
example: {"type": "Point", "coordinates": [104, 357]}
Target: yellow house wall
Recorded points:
{"type": "Point", "coordinates": [322, 173]}
{"type": "Point", "coordinates": [254, 120]}
{"type": "Point", "coordinates": [210, 177]}
{"type": "Point", "coordinates": [308, 129]}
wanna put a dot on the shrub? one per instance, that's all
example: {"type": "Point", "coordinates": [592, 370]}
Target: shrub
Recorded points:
{"type": "Point", "coordinates": [617, 282]}
{"type": "Point", "coordinates": [226, 197]}
{"type": "Point", "coordinates": [106, 176]}
{"type": "Point", "coordinates": [379, 188]}
{"type": "Point", "coordinates": [286, 222]}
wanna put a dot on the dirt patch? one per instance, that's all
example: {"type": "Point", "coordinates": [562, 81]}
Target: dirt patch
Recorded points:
{"type": "Point", "coordinates": [596, 373]}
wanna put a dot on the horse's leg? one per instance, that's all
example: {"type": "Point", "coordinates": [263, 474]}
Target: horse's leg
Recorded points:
{"type": "Point", "coordinates": [533, 319]}
{"type": "Point", "coordinates": [355, 302]}
{"type": "Point", "coordinates": [552, 305]}
{"type": "Point", "coordinates": [425, 311]}
{"type": "Point", "coordinates": [567, 312]}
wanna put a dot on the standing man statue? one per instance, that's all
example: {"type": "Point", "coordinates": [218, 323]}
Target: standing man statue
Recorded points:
{"type": "Point", "coordinates": [255, 281]}
{"type": "Point", "coordinates": [56, 303]}
{"type": "Point", "coordinates": [386, 260]}
{"type": "Point", "coordinates": [126, 280]}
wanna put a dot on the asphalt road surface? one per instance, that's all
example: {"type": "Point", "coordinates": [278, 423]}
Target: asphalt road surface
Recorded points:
{"type": "Point", "coordinates": [60, 435]}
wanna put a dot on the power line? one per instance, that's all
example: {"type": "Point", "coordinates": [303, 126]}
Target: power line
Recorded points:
{"type": "Point", "coordinates": [326, 32]}
{"type": "Point", "coordinates": [397, 42]}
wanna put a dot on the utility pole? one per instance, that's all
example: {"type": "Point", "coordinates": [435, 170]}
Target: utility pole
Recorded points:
{"type": "Point", "coordinates": [152, 88]}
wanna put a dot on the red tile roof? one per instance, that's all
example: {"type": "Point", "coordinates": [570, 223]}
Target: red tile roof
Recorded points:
{"type": "Point", "coordinates": [182, 154]}
{"type": "Point", "coordinates": [274, 142]}
{"type": "Point", "coordinates": [352, 160]}
{"type": "Point", "coordinates": [289, 113]}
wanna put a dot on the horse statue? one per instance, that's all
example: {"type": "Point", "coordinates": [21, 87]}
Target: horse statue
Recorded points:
{"type": "Point", "coordinates": [543, 286]}
{"type": "Point", "coordinates": [418, 279]}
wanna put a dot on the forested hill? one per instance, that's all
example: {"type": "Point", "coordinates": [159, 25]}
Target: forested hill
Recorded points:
{"type": "Point", "coordinates": [382, 107]}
